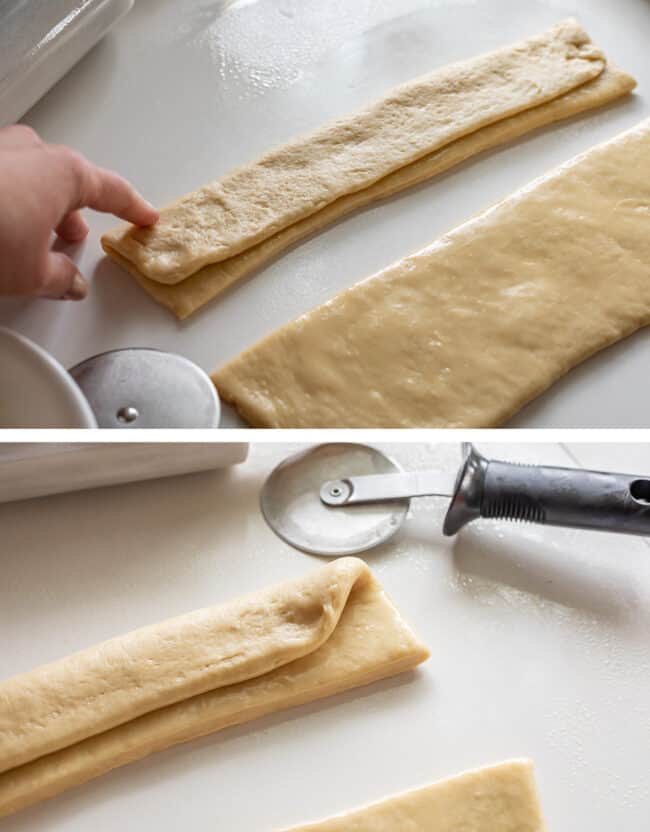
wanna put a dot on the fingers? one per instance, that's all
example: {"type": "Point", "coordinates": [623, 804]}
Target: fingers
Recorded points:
{"type": "Point", "coordinates": [73, 227]}
{"type": "Point", "coordinates": [19, 136]}
{"type": "Point", "coordinates": [106, 191]}
{"type": "Point", "coordinates": [87, 185]}
{"type": "Point", "coordinates": [61, 279]}
{"type": "Point", "coordinates": [109, 192]}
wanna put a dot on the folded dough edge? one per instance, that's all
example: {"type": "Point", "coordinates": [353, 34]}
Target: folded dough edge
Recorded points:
{"type": "Point", "coordinates": [370, 641]}
{"type": "Point", "coordinates": [105, 685]}
{"type": "Point", "coordinates": [185, 298]}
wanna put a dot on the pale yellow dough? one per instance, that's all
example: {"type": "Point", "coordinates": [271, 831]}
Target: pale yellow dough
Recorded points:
{"type": "Point", "coordinates": [185, 298]}
{"type": "Point", "coordinates": [500, 798]}
{"type": "Point", "coordinates": [257, 200]}
{"type": "Point", "coordinates": [81, 716]}
{"type": "Point", "coordinates": [465, 332]}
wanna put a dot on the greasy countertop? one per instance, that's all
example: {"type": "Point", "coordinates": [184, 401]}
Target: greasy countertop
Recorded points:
{"type": "Point", "coordinates": [539, 642]}
{"type": "Point", "coordinates": [179, 92]}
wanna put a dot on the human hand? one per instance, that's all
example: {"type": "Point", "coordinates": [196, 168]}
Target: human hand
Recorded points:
{"type": "Point", "coordinates": [42, 189]}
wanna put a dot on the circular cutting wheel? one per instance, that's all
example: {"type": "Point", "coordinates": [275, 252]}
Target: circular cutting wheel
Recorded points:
{"type": "Point", "coordinates": [146, 388]}
{"type": "Point", "coordinates": [292, 506]}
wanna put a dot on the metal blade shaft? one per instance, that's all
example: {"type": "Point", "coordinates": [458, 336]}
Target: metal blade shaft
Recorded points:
{"type": "Point", "coordinates": [373, 488]}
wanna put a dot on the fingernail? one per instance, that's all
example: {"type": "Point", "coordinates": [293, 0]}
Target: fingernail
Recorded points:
{"type": "Point", "coordinates": [78, 289]}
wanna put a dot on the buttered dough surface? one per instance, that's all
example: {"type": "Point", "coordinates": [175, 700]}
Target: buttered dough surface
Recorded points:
{"type": "Point", "coordinates": [186, 297]}
{"type": "Point", "coordinates": [466, 331]}
{"type": "Point", "coordinates": [295, 180]}
{"type": "Point", "coordinates": [79, 717]}
{"type": "Point", "coordinates": [224, 231]}
{"type": "Point", "coordinates": [500, 798]}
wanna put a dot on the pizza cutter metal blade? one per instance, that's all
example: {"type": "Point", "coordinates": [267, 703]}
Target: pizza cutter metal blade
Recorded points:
{"type": "Point", "coordinates": [311, 500]}
{"type": "Point", "coordinates": [147, 388]}
{"type": "Point", "coordinates": [291, 503]}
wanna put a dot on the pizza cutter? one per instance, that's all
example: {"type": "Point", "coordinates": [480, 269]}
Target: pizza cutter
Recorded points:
{"type": "Point", "coordinates": [147, 388]}
{"type": "Point", "coordinates": [343, 498]}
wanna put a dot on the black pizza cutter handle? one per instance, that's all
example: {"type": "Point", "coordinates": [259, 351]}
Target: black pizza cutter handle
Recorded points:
{"type": "Point", "coordinates": [548, 495]}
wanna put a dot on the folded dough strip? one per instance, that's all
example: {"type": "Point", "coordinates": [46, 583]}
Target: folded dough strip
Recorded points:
{"type": "Point", "coordinates": [100, 687]}
{"type": "Point", "coordinates": [291, 182]}
{"type": "Point", "coordinates": [369, 641]}
{"type": "Point", "coordinates": [185, 298]}
{"type": "Point", "coordinates": [465, 332]}
{"type": "Point", "coordinates": [499, 798]}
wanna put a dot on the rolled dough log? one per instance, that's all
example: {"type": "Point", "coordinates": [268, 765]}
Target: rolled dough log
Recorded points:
{"type": "Point", "coordinates": [466, 331]}
{"type": "Point", "coordinates": [81, 716]}
{"type": "Point", "coordinates": [500, 798]}
{"type": "Point", "coordinates": [201, 287]}
{"type": "Point", "coordinates": [253, 202]}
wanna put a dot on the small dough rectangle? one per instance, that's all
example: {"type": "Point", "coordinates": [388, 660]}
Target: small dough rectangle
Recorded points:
{"type": "Point", "coordinates": [79, 717]}
{"type": "Point", "coordinates": [500, 798]}
{"type": "Point", "coordinates": [471, 328]}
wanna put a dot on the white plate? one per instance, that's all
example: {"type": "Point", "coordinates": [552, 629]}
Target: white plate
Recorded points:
{"type": "Point", "coordinates": [180, 92]}
{"type": "Point", "coordinates": [35, 390]}
{"type": "Point", "coordinates": [539, 641]}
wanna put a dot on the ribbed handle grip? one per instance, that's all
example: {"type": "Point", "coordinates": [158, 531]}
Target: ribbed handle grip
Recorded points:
{"type": "Point", "coordinates": [566, 497]}
{"type": "Point", "coordinates": [543, 494]}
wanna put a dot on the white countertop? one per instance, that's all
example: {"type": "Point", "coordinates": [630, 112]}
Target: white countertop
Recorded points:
{"type": "Point", "coordinates": [180, 91]}
{"type": "Point", "coordinates": [539, 641]}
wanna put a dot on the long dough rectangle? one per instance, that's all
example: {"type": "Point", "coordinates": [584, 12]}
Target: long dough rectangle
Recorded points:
{"type": "Point", "coordinates": [500, 798]}
{"type": "Point", "coordinates": [185, 298]}
{"type": "Point", "coordinates": [77, 718]}
{"type": "Point", "coordinates": [465, 332]}
{"type": "Point", "coordinates": [294, 181]}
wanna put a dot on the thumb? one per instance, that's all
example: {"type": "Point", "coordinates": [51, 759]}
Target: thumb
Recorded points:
{"type": "Point", "coordinates": [62, 280]}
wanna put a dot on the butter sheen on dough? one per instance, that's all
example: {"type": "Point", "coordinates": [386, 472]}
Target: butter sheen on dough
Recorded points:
{"type": "Point", "coordinates": [186, 297]}
{"type": "Point", "coordinates": [465, 332]}
{"type": "Point", "coordinates": [67, 722]}
{"type": "Point", "coordinates": [499, 798]}
{"type": "Point", "coordinates": [291, 182]}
